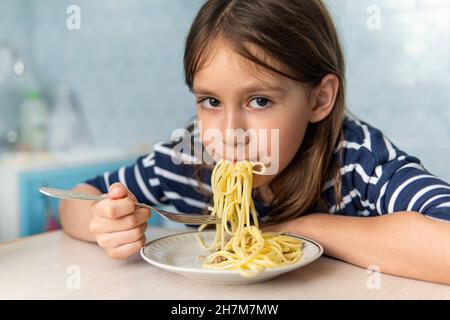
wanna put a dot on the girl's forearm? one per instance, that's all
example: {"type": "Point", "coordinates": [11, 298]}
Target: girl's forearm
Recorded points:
{"type": "Point", "coordinates": [75, 215]}
{"type": "Point", "coordinates": [404, 244]}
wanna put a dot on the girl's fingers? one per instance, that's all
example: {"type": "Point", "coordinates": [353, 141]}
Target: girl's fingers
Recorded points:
{"type": "Point", "coordinates": [114, 209]}
{"type": "Point", "coordinates": [130, 221]}
{"type": "Point", "coordinates": [116, 239]}
{"type": "Point", "coordinates": [117, 191]}
{"type": "Point", "coordinates": [126, 250]}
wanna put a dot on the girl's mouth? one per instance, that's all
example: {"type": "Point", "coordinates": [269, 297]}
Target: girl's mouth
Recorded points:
{"type": "Point", "coordinates": [234, 159]}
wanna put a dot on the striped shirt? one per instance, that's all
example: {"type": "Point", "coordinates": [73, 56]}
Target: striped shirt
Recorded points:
{"type": "Point", "coordinates": [377, 178]}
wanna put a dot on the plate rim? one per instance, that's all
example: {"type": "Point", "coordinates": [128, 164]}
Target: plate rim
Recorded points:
{"type": "Point", "coordinates": [178, 269]}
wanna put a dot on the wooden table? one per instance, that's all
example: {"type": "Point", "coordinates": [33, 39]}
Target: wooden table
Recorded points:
{"type": "Point", "coordinates": [44, 266]}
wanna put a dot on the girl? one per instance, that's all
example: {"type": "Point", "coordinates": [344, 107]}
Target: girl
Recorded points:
{"type": "Point", "coordinates": [278, 64]}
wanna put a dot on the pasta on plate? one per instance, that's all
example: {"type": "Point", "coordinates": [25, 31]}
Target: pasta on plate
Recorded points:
{"type": "Point", "coordinates": [239, 244]}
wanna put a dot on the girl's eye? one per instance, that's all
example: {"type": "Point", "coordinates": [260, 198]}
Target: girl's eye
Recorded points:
{"type": "Point", "coordinates": [209, 103]}
{"type": "Point", "coordinates": [260, 103]}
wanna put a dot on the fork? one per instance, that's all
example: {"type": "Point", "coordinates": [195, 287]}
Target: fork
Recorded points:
{"type": "Point", "coordinates": [195, 219]}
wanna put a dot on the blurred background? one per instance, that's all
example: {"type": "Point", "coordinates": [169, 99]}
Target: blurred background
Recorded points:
{"type": "Point", "coordinates": [87, 86]}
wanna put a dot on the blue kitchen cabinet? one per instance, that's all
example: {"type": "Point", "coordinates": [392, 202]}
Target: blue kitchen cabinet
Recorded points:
{"type": "Point", "coordinates": [36, 210]}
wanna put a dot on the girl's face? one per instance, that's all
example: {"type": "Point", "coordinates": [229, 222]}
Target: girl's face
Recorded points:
{"type": "Point", "coordinates": [232, 95]}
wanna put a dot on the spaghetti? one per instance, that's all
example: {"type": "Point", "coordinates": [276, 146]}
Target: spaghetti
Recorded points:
{"type": "Point", "coordinates": [239, 244]}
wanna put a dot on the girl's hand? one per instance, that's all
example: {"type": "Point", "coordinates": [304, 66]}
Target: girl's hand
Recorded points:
{"type": "Point", "coordinates": [119, 227]}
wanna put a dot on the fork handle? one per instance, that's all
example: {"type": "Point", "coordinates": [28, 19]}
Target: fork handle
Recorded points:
{"type": "Point", "coordinates": [68, 194]}
{"type": "Point", "coordinates": [146, 206]}
{"type": "Point", "coordinates": [181, 217]}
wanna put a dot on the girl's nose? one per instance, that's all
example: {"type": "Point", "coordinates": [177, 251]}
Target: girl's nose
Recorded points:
{"type": "Point", "coordinates": [234, 137]}
{"type": "Point", "coordinates": [235, 128]}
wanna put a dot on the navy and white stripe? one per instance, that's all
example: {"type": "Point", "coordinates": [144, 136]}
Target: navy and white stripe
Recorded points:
{"type": "Point", "coordinates": [156, 180]}
{"type": "Point", "coordinates": [377, 178]}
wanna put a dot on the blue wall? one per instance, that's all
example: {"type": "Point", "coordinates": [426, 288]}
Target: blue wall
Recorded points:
{"type": "Point", "coordinates": [125, 64]}
{"type": "Point", "coordinates": [399, 75]}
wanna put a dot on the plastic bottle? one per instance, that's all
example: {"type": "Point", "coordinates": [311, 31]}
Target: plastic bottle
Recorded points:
{"type": "Point", "coordinates": [33, 122]}
{"type": "Point", "coordinates": [65, 123]}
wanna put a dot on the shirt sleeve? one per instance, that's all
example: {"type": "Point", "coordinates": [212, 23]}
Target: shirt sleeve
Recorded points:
{"type": "Point", "coordinates": [397, 182]}
{"type": "Point", "coordinates": [406, 185]}
{"type": "Point", "coordinates": [139, 178]}
{"type": "Point", "coordinates": [383, 179]}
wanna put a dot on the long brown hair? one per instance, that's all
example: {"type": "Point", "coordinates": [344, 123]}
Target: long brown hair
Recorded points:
{"type": "Point", "coordinates": [300, 35]}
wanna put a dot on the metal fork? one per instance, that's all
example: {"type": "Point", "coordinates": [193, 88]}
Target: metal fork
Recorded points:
{"type": "Point", "coordinates": [195, 219]}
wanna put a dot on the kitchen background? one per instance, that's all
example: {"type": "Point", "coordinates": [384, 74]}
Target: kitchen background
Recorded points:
{"type": "Point", "coordinates": [77, 102]}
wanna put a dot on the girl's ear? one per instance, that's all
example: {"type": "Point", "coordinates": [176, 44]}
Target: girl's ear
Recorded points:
{"type": "Point", "coordinates": [324, 97]}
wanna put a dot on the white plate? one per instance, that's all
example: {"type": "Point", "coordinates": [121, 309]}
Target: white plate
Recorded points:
{"type": "Point", "coordinates": [179, 253]}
